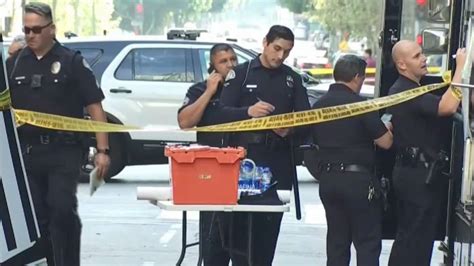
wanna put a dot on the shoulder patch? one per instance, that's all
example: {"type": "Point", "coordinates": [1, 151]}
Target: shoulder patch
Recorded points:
{"type": "Point", "coordinates": [230, 75]}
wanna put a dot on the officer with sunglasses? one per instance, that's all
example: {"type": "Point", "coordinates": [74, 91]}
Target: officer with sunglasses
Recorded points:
{"type": "Point", "coordinates": [49, 78]}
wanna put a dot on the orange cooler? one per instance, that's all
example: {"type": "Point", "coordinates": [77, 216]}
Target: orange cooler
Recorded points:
{"type": "Point", "coordinates": [204, 175]}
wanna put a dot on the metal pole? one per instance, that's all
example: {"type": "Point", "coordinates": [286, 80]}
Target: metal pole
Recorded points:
{"type": "Point", "coordinates": [295, 179]}
{"type": "Point", "coordinates": [462, 85]}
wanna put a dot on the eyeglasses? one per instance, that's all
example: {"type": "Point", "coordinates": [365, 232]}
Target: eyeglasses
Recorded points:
{"type": "Point", "coordinates": [35, 29]}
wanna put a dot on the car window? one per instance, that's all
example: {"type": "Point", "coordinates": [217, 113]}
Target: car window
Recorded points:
{"type": "Point", "coordinates": [205, 59]}
{"type": "Point", "coordinates": [124, 71]}
{"type": "Point", "coordinates": [155, 64]}
{"type": "Point", "coordinates": [91, 55]}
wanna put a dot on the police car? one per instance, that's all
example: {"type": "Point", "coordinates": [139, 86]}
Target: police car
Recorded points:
{"type": "Point", "coordinates": [144, 79]}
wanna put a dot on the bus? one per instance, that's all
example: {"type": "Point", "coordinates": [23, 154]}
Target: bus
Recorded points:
{"type": "Point", "coordinates": [440, 27]}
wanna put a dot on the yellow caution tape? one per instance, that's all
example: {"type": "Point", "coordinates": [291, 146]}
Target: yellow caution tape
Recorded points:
{"type": "Point", "coordinates": [322, 114]}
{"type": "Point", "coordinates": [368, 71]}
{"type": "Point", "coordinates": [293, 119]}
{"type": "Point", "coordinates": [5, 102]}
{"type": "Point", "coordinates": [67, 123]}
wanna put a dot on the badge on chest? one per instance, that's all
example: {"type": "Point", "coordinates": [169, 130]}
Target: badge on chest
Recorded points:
{"type": "Point", "coordinates": [55, 67]}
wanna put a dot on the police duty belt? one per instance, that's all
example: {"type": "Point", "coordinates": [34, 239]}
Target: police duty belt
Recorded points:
{"type": "Point", "coordinates": [286, 120]}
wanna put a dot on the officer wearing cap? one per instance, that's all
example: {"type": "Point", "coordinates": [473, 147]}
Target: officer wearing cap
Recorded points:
{"type": "Point", "coordinates": [201, 107]}
{"type": "Point", "coordinates": [49, 78]}
{"type": "Point", "coordinates": [347, 186]}
{"type": "Point", "coordinates": [418, 139]}
{"type": "Point", "coordinates": [277, 89]}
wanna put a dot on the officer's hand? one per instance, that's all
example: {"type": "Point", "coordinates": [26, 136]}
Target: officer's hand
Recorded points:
{"type": "Point", "coordinates": [282, 132]}
{"type": "Point", "coordinates": [213, 82]}
{"type": "Point", "coordinates": [102, 162]}
{"type": "Point", "coordinates": [260, 109]}
{"type": "Point", "coordinates": [460, 57]}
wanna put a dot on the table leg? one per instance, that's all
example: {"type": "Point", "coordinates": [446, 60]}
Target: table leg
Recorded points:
{"type": "Point", "coordinates": [183, 240]}
{"type": "Point", "coordinates": [201, 240]}
{"type": "Point", "coordinates": [250, 238]}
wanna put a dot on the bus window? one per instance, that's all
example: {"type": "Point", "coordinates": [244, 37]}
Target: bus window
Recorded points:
{"type": "Point", "coordinates": [419, 18]}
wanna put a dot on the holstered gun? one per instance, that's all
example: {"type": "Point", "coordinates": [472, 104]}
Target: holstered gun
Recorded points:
{"type": "Point", "coordinates": [436, 166]}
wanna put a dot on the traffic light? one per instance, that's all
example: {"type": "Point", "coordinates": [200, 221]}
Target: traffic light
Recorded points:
{"type": "Point", "coordinates": [139, 9]}
{"type": "Point", "coordinates": [421, 2]}
{"type": "Point", "coordinates": [422, 9]}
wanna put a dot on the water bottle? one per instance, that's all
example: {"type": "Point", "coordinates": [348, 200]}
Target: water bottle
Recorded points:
{"type": "Point", "coordinates": [247, 172]}
{"type": "Point", "coordinates": [258, 178]}
{"type": "Point", "coordinates": [266, 179]}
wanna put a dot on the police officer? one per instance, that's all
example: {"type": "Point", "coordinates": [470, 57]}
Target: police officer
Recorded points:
{"type": "Point", "coordinates": [266, 81]}
{"type": "Point", "coordinates": [347, 186]}
{"type": "Point", "coordinates": [201, 108]}
{"type": "Point", "coordinates": [418, 142]}
{"type": "Point", "coordinates": [47, 77]}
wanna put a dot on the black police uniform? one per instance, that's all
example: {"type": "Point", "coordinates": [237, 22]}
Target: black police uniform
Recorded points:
{"type": "Point", "coordinates": [283, 88]}
{"type": "Point", "coordinates": [418, 138]}
{"type": "Point", "coordinates": [213, 251]}
{"type": "Point", "coordinates": [347, 186]}
{"type": "Point", "coordinates": [59, 83]}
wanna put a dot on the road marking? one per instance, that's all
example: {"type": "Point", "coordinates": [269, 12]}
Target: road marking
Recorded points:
{"type": "Point", "coordinates": [165, 239]}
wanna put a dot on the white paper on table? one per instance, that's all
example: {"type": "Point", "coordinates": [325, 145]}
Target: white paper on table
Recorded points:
{"type": "Point", "coordinates": [95, 181]}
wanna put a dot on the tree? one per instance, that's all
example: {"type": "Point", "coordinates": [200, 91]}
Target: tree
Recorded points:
{"type": "Point", "coordinates": [83, 21]}
{"type": "Point", "coordinates": [296, 6]}
{"type": "Point", "coordinates": [361, 18]}
{"type": "Point", "coordinates": [160, 13]}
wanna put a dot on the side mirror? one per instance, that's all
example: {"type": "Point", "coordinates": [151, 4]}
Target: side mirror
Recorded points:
{"type": "Point", "coordinates": [435, 41]}
{"type": "Point", "coordinates": [439, 11]}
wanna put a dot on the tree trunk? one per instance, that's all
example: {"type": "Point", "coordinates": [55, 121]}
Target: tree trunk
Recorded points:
{"type": "Point", "coordinates": [76, 16]}
{"type": "Point", "coordinates": [94, 26]}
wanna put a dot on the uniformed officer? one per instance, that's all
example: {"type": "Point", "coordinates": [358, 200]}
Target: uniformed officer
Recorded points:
{"type": "Point", "coordinates": [47, 77]}
{"type": "Point", "coordinates": [418, 139]}
{"type": "Point", "coordinates": [347, 186]}
{"type": "Point", "coordinates": [201, 108]}
{"type": "Point", "coordinates": [267, 80]}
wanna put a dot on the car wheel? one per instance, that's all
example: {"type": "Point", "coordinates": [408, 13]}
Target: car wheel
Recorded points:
{"type": "Point", "coordinates": [117, 154]}
{"type": "Point", "coordinates": [311, 163]}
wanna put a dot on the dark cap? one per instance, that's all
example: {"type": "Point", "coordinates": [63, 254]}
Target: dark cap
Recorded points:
{"type": "Point", "coordinates": [40, 9]}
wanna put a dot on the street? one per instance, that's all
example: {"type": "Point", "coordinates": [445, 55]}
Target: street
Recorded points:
{"type": "Point", "coordinates": [120, 230]}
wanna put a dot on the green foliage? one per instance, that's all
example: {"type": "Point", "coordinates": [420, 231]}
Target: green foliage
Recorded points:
{"type": "Point", "coordinates": [354, 16]}
{"type": "Point", "coordinates": [361, 18]}
{"type": "Point", "coordinates": [83, 17]}
{"type": "Point", "coordinates": [296, 6]}
{"type": "Point", "coordinates": [159, 13]}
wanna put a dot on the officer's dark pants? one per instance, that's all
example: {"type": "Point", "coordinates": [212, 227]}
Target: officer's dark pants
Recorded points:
{"type": "Point", "coordinates": [53, 172]}
{"type": "Point", "coordinates": [235, 228]}
{"type": "Point", "coordinates": [265, 226]}
{"type": "Point", "coordinates": [418, 211]}
{"type": "Point", "coordinates": [214, 253]}
{"type": "Point", "coordinates": [351, 218]}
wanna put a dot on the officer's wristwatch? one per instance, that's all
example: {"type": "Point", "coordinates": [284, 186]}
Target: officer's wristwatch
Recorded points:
{"type": "Point", "coordinates": [104, 151]}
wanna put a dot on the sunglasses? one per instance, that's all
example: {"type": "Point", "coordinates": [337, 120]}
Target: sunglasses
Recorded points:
{"type": "Point", "coordinates": [35, 29]}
